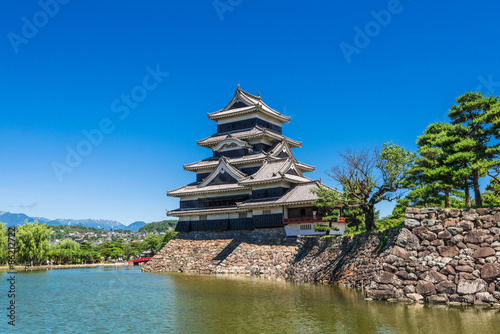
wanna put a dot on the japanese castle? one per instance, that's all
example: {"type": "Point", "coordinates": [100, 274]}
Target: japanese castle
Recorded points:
{"type": "Point", "coordinates": [252, 180]}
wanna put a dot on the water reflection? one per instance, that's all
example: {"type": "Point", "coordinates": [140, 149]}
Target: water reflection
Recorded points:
{"type": "Point", "coordinates": [123, 300]}
{"type": "Point", "coordinates": [261, 305]}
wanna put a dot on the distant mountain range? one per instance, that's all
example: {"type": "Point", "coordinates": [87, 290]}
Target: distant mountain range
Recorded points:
{"type": "Point", "coordinates": [16, 219]}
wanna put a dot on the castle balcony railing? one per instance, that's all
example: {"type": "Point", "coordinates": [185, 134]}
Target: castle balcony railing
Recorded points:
{"type": "Point", "coordinates": [312, 219]}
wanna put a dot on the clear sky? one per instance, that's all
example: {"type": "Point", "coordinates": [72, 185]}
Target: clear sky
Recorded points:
{"type": "Point", "coordinates": [144, 74]}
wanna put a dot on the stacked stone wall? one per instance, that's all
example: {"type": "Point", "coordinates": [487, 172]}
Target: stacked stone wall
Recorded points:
{"type": "Point", "coordinates": [440, 255]}
{"type": "Point", "coordinates": [257, 252]}
{"type": "Point", "coordinates": [443, 256]}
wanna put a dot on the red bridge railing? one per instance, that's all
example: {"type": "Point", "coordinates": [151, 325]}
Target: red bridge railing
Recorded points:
{"type": "Point", "coordinates": [142, 259]}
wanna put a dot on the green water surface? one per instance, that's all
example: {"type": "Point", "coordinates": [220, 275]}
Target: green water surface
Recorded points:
{"type": "Point", "coordinates": [124, 300]}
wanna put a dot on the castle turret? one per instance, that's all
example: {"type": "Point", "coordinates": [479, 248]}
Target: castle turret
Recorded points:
{"type": "Point", "coordinates": [252, 179]}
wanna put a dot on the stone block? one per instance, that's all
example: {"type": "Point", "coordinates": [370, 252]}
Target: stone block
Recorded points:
{"type": "Point", "coordinates": [455, 213]}
{"type": "Point", "coordinates": [425, 288]}
{"type": "Point", "coordinates": [466, 225]}
{"type": "Point", "coordinates": [415, 296]}
{"type": "Point", "coordinates": [446, 287]}
{"type": "Point", "coordinates": [385, 277]}
{"type": "Point", "coordinates": [436, 228]}
{"type": "Point", "coordinates": [445, 235]}
{"type": "Point", "coordinates": [433, 276]}
{"type": "Point", "coordinates": [469, 215]}
{"type": "Point", "coordinates": [437, 243]}
{"type": "Point", "coordinates": [482, 211]}
{"type": "Point", "coordinates": [389, 268]}
{"type": "Point", "coordinates": [485, 297]}
{"type": "Point", "coordinates": [400, 252]}
{"type": "Point", "coordinates": [429, 222]}
{"type": "Point", "coordinates": [412, 210]}
{"type": "Point", "coordinates": [409, 289]}
{"type": "Point", "coordinates": [407, 240]}
{"type": "Point", "coordinates": [490, 271]}
{"type": "Point", "coordinates": [464, 268]}
{"type": "Point", "coordinates": [448, 251]}
{"type": "Point", "coordinates": [476, 236]}
{"type": "Point", "coordinates": [487, 218]}
{"type": "Point", "coordinates": [411, 223]}
{"type": "Point", "coordinates": [483, 252]}
{"type": "Point", "coordinates": [448, 270]}
{"type": "Point", "coordinates": [495, 230]}
{"type": "Point", "coordinates": [455, 230]}
{"type": "Point", "coordinates": [438, 298]}
{"type": "Point", "coordinates": [467, 287]}
{"type": "Point", "coordinates": [380, 294]}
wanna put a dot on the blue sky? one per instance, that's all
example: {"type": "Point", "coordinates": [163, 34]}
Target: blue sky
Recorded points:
{"type": "Point", "coordinates": [86, 66]}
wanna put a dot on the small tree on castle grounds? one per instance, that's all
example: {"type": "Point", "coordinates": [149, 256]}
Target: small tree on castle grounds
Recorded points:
{"type": "Point", "coordinates": [371, 176]}
{"type": "Point", "coordinates": [328, 203]}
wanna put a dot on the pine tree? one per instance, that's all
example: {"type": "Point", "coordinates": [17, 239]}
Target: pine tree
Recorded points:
{"type": "Point", "coordinates": [431, 175]}
{"type": "Point", "coordinates": [480, 118]}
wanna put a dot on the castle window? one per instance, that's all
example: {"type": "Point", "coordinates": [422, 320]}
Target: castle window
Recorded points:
{"type": "Point", "coordinates": [306, 227]}
{"type": "Point", "coordinates": [267, 212]}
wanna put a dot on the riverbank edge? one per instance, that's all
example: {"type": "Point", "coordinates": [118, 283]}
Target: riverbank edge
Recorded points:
{"type": "Point", "coordinates": [445, 256]}
{"type": "Point", "coordinates": [63, 266]}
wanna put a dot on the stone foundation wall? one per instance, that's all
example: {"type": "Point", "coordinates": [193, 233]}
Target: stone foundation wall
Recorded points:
{"type": "Point", "coordinates": [444, 256]}
{"type": "Point", "coordinates": [257, 252]}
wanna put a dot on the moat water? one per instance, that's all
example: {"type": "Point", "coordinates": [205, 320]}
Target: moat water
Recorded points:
{"type": "Point", "coordinates": [124, 300]}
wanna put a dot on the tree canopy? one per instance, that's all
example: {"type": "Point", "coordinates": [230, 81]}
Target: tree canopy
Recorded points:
{"type": "Point", "coordinates": [371, 176]}
{"type": "Point", "coordinates": [32, 245]}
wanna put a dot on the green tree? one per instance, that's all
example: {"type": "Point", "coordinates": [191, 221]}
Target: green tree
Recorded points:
{"type": "Point", "coordinates": [328, 203]}
{"type": "Point", "coordinates": [153, 243]}
{"type": "Point", "coordinates": [440, 167]}
{"type": "Point", "coordinates": [369, 177]}
{"type": "Point", "coordinates": [3, 244]}
{"type": "Point", "coordinates": [169, 235]}
{"type": "Point", "coordinates": [32, 245]}
{"type": "Point", "coordinates": [435, 174]}
{"type": "Point", "coordinates": [480, 117]}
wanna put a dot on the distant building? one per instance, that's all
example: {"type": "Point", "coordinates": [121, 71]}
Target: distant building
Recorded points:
{"type": "Point", "coordinates": [252, 180]}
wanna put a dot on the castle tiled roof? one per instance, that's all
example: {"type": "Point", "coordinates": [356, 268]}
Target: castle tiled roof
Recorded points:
{"type": "Point", "coordinates": [196, 189]}
{"type": "Point", "coordinates": [275, 170]}
{"type": "Point", "coordinates": [243, 103]}
{"type": "Point", "coordinates": [274, 154]}
{"type": "Point", "coordinates": [256, 132]}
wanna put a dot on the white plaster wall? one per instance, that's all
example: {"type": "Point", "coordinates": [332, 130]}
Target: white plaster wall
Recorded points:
{"type": "Point", "coordinates": [257, 212]}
